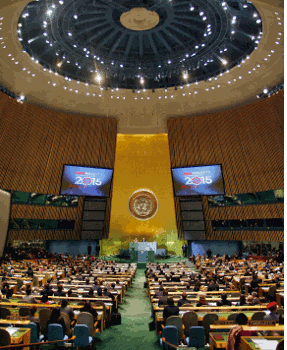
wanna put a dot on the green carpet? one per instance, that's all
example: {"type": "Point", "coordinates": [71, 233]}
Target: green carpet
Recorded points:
{"type": "Point", "coordinates": [133, 333]}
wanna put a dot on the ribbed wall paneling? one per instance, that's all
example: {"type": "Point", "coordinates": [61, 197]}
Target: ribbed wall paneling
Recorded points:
{"type": "Point", "coordinates": [35, 143]}
{"type": "Point", "coordinates": [248, 142]}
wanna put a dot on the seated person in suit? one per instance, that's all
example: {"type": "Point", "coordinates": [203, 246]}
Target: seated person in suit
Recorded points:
{"type": "Point", "coordinates": [100, 292]}
{"type": "Point", "coordinates": [183, 300]}
{"type": "Point", "coordinates": [88, 308]}
{"type": "Point", "coordinates": [96, 285]}
{"type": "Point", "coordinates": [242, 300]}
{"type": "Point", "coordinates": [223, 301]}
{"type": "Point", "coordinates": [201, 300]}
{"type": "Point", "coordinates": [197, 287]}
{"type": "Point", "coordinates": [44, 299]}
{"type": "Point", "coordinates": [31, 317]}
{"type": "Point", "coordinates": [90, 294]}
{"type": "Point", "coordinates": [236, 332]}
{"type": "Point", "coordinates": [113, 286]}
{"type": "Point", "coordinates": [67, 309]}
{"type": "Point", "coordinates": [106, 293]}
{"type": "Point", "coordinates": [29, 272]}
{"type": "Point", "coordinates": [159, 293]}
{"type": "Point", "coordinates": [69, 293]}
{"type": "Point", "coordinates": [60, 292]}
{"type": "Point", "coordinates": [255, 282]}
{"type": "Point", "coordinates": [57, 318]}
{"type": "Point", "coordinates": [29, 298]}
{"type": "Point", "coordinates": [175, 278]}
{"type": "Point", "coordinates": [211, 286]}
{"type": "Point", "coordinates": [47, 290]}
{"type": "Point", "coordinates": [163, 299]}
{"type": "Point", "coordinates": [170, 309]}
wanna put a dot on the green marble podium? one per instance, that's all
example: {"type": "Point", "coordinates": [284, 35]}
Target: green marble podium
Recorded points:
{"type": "Point", "coordinates": [142, 251]}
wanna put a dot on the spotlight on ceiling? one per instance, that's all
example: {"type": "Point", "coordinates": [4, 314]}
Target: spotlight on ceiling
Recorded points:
{"type": "Point", "coordinates": [142, 80]}
{"type": "Point", "coordinates": [185, 75]}
{"type": "Point", "coordinates": [98, 78]}
{"type": "Point", "coordinates": [225, 62]}
{"type": "Point", "coordinates": [265, 91]}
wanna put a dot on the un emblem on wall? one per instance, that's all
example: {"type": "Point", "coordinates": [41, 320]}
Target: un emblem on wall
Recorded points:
{"type": "Point", "coordinates": [143, 204]}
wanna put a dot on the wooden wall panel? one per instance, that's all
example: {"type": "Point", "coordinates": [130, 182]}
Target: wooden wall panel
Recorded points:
{"type": "Point", "coordinates": [248, 142]}
{"type": "Point", "coordinates": [35, 143]}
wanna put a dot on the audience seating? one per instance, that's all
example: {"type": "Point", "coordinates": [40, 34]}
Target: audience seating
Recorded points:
{"type": "Point", "coordinates": [196, 337]}
{"type": "Point", "coordinates": [88, 319]}
{"type": "Point", "coordinates": [208, 319]}
{"type": "Point", "coordinates": [55, 332]}
{"type": "Point", "coordinates": [258, 316]}
{"type": "Point", "coordinates": [5, 338]}
{"type": "Point", "coordinates": [44, 315]}
{"type": "Point", "coordinates": [189, 319]}
{"type": "Point", "coordinates": [4, 312]}
{"type": "Point", "coordinates": [34, 338]}
{"type": "Point", "coordinates": [170, 334]}
{"type": "Point", "coordinates": [82, 337]}
{"type": "Point", "coordinates": [177, 322]}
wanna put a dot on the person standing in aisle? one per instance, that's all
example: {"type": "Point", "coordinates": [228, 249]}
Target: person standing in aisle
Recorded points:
{"type": "Point", "coordinates": [184, 250]}
{"type": "Point", "coordinates": [98, 248]}
{"type": "Point", "coordinates": [209, 253]}
{"type": "Point", "coordinates": [89, 249]}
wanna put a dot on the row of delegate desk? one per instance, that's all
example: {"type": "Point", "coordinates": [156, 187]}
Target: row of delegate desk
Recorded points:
{"type": "Point", "coordinates": [175, 290]}
{"type": "Point", "coordinates": [77, 286]}
{"type": "Point", "coordinates": [239, 280]}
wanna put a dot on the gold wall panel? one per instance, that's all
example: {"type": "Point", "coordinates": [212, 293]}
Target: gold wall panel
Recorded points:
{"type": "Point", "coordinates": [142, 162]}
{"type": "Point", "coordinates": [248, 142]}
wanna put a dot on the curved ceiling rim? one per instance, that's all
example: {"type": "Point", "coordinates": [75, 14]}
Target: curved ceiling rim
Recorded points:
{"type": "Point", "coordinates": [134, 121]}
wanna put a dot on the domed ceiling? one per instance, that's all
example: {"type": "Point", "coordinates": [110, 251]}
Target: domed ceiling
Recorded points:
{"type": "Point", "coordinates": [139, 44]}
{"type": "Point", "coordinates": [141, 61]}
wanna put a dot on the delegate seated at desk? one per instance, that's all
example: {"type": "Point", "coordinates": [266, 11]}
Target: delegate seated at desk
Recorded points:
{"type": "Point", "coordinates": [236, 332]}
{"type": "Point", "coordinates": [183, 300]}
{"type": "Point", "coordinates": [170, 309]}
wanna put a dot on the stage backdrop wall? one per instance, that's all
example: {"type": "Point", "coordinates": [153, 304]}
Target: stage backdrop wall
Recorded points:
{"type": "Point", "coordinates": [71, 247]}
{"type": "Point", "coordinates": [217, 247]}
{"type": "Point", "coordinates": [142, 162]}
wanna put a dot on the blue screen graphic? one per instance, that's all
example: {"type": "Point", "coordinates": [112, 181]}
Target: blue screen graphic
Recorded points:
{"type": "Point", "coordinates": [83, 181]}
{"type": "Point", "coordinates": [199, 180]}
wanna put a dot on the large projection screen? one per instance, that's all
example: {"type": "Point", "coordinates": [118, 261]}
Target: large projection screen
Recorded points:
{"type": "Point", "coordinates": [5, 204]}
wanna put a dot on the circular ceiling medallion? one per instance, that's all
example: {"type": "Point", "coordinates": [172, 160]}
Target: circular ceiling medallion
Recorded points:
{"type": "Point", "coordinates": [139, 18]}
{"type": "Point", "coordinates": [143, 204]}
